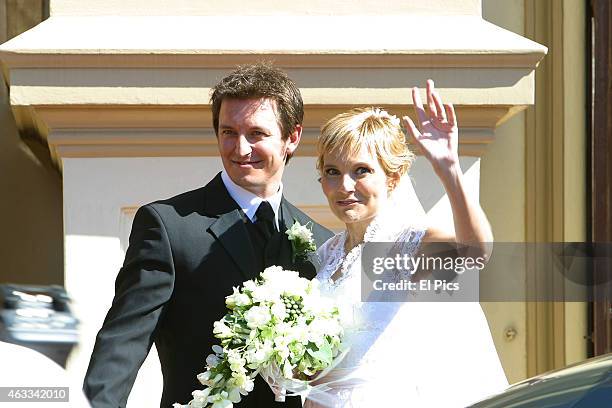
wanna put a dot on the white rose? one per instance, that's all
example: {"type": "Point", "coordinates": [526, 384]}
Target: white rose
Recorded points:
{"type": "Point", "coordinates": [279, 281]}
{"type": "Point", "coordinates": [221, 330]}
{"type": "Point", "coordinates": [271, 271]}
{"type": "Point", "coordinates": [242, 299]}
{"type": "Point", "coordinates": [298, 286]}
{"type": "Point", "coordinates": [279, 311]}
{"type": "Point", "coordinates": [299, 333]}
{"type": "Point", "coordinates": [300, 232]}
{"type": "Point", "coordinates": [317, 305]}
{"type": "Point", "coordinates": [321, 327]}
{"type": "Point", "coordinates": [249, 285]}
{"type": "Point", "coordinates": [237, 299]}
{"type": "Point", "coordinates": [274, 275]}
{"type": "Point", "coordinates": [283, 328]}
{"type": "Point", "coordinates": [257, 317]}
{"type": "Point", "coordinates": [264, 293]}
{"type": "Point", "coordinates": [260, 356]}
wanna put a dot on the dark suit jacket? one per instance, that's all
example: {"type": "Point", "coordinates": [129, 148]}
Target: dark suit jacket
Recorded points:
{"type": "Point", "coordinates": [185, 255]}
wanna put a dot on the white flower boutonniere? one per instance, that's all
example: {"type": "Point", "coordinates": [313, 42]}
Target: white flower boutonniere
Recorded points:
{"type": "Point", "coordinates": [301, 240]}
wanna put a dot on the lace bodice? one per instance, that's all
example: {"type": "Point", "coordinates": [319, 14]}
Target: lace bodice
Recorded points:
{"type": "Point", "coordinates": [333, 257]}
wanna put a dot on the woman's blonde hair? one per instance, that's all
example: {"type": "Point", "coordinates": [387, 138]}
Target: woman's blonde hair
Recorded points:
{"type": "Point", "coordinates": [372, 128]}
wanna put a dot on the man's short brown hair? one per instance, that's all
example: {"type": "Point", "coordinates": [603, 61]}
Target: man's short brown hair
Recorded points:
{"type": "Point", "coordinates": [261, 80]}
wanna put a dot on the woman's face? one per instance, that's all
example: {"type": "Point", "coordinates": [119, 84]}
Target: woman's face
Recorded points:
{"type": "Point", "coordinates": [355, 187]}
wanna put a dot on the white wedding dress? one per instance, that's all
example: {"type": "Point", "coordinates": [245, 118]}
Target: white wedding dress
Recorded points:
{"type": "Point", "coordinates": [403, 354]}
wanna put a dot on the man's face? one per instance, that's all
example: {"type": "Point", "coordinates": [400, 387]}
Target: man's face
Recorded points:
{"type": "Point", "coordinates": [252, 148]}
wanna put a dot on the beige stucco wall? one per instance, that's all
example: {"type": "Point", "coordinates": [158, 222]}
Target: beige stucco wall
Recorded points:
{"type": "Point", "coordinates": [502, 195]}
{"type": "Point", "coordinates": [31, 247]}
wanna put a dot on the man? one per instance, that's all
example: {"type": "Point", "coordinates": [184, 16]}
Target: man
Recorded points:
{"type": "Point", "coordinates": [187, 252]}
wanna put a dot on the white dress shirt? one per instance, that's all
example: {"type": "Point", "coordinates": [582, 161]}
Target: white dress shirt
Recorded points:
{"type": "Point", "coordinates": [249, 202]}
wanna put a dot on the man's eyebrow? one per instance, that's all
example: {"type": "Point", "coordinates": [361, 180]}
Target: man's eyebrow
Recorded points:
{"type": "Point", "coordinates": [257, 127]}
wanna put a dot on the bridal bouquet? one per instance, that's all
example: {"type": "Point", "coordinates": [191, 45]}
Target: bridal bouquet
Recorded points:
{"type": "Point", "coordinates": [278, 325]}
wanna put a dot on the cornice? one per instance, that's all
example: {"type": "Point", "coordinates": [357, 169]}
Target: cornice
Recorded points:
{"type": "Point", "coordinates": [306, 41]}
{"type": "Point", "coordinates": [225, 59]}
{"type": "Point", "coordinates": [142, 88]}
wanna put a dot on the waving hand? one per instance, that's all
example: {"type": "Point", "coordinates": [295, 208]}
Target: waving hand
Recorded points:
{"type": "Point", "coordinates": [437, 134]}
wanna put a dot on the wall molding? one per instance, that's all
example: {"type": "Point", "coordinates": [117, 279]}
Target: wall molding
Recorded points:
{"type": "Point", "coordinates": [555, 200]}
{"type": "Point", "coordinates": [176, 131]}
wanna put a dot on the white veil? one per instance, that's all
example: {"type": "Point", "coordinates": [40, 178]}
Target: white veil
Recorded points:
{"type": "Point", "coordinates": [405, 204]}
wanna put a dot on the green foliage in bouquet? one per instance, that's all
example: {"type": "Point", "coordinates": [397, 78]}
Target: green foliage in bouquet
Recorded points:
{"type": "Point", "coordinates": [278, 319]}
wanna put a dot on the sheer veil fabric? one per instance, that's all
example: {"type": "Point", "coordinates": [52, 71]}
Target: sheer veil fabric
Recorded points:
{"type": "Point", "coordinates": [403, 354]}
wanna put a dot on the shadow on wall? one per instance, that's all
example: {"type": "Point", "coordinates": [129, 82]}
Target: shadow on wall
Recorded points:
{"type": "Point", "coordinates": [31, 246]}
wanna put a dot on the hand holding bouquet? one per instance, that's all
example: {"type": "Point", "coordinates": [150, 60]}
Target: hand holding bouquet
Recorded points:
{"type": "Point", "coordinates": [277, 325]}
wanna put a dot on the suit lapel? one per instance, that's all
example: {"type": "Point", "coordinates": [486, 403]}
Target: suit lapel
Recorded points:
{"type": "Point", "coordinates": [230, 231]}
{"type": "Point", "coordinates": [229, 228]}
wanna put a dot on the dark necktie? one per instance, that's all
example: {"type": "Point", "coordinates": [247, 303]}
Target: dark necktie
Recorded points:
{"type": "Point", "coordinates": [265, 219]}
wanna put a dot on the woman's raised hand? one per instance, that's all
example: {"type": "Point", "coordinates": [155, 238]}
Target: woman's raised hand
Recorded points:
{"type": "Point", "coordinates": [437, 134]}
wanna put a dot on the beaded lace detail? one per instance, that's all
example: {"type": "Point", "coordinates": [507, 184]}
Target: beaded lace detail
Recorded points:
{"type": "Point", "coordinates": [382, 229]}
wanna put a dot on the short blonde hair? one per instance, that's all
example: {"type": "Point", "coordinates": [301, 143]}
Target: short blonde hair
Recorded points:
{"type": "Point", "coordinates": [372, 128]}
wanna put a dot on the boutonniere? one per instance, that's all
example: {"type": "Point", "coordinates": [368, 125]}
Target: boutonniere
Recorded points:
{"type": "Point", "coordinates": [301, 240]}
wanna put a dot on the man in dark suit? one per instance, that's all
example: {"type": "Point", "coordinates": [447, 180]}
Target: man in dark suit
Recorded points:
{"type": "Point", "coordinates": [187, 252]}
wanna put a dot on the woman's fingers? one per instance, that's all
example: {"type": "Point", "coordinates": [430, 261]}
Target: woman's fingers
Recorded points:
{"type": "Point", "coordinates": [430, 99]}
{"type": "Point", "coordinates": [418, 106]}
{"type": "Point", "coordinates": [450, 114]}
{"type": "Point", "coordinates": [440, 113]}
{"type": "Point", "coordinates": [412, 129]}
{"type": "Point", "coordinates": [439, 106]}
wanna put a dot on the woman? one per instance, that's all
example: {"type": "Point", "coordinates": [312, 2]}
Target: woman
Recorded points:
{"type": "Point", "coordinates": [414, 354]}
